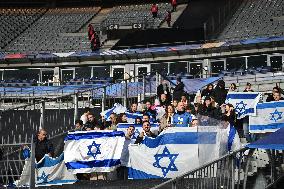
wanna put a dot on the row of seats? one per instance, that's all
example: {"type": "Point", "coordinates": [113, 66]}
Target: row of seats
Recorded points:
{"type": "Point", "coordinates": [136, 14]}
{"type": "Point", "coordinates": [252, 71]}
{"type": "Point", "coordinates": [255, 19]}
{"type": "Point", "coordinates": [48, 33]}
{"type": "Point", "coordinates": [14, 21]}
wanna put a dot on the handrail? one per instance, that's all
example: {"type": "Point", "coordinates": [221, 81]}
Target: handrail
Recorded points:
{"type": "Point", "coordinates": [199, 168]}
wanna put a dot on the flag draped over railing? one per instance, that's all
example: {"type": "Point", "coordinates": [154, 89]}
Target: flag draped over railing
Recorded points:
{"type": "Point", "coordinates": [49, 171]}
{"type": "Point", "coordinates": [178, 150]}
{"type": "Point", "coordinates": [93, 151]}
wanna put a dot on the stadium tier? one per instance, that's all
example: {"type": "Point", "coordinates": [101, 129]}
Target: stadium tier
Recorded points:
{"type": "Point", "coordinates": [50, 32]}
{"type": "Point", "coordinates": [256, 19]}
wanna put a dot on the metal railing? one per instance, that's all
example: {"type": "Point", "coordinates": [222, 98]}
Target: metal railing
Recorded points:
{"type": "Point", "coordinates": [12, 165]}
{"type": "Point", "coordinates": [231, 171]}
{"type": "Point", "coordinates": [225, 172]}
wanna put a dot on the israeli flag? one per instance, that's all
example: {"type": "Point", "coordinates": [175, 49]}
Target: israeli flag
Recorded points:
{"type": "Point", "coordinates": [117, 109]}
{"type": "Point", "coordinates": [49, 171]}
{"type": "Point", "coordinates": [93, 151]}
{"type": "Point", "coordinates": [269, 117]}
{"type": "Point", "coordinates": [174, 152]}
{"type": "Point", "coordinates": [138, 128]}
{"type": "Point", "coordinates": [243, 102]}
{"type": "Point", "coordinates": [132, 116]}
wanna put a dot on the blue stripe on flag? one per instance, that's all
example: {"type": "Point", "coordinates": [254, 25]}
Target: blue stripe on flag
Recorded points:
{"type": "Point", "coordinates": [231, 137]}
{"type": "Point", "coordinates": [126, 125]}
{"type": "Point", "coordinates": [57, 182]}
{"type": "Point", "coordinates": [181, 138]}
{"type": "Point", "coordinates": [134, 173]}
{"type": "Point", "coordinates": [49, 162]}
{"type": "Point", "coordinates": [242, 96]}
{"type": "Point", "coordinates": [92, 135]}
{"type": "Point", "coordinates": [91, 164]}
{"type": "Point", "coordinates": [270, 105]}
{"type": "Point", "coordinates": [264, 127]}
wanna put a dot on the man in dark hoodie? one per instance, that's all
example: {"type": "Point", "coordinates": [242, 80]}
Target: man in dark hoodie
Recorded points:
{"type": "Point", "coordinates": [178, 90]}
{"type": "Point", "coordinates": [220, 93]}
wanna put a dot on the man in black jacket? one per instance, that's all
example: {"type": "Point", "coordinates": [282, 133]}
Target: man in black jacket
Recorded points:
{"type": "Point", "coordinates": [220, 93]}
{"type": "Point", "coordinates": [42, 145]}
{"type": "Point", "coordinates": [178, 90]}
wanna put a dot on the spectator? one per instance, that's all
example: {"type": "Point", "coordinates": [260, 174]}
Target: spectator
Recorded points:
{"type": "Point", "coordinates": [184, 100]}
{"type": "Point", "coordinates": [175, 103]}
{"type": "Point", "coordinates": [148, 110]}
{"type": "Point", "coordinates": [207, 109]}
{"type": "Point", "coordinates": [133, 108]}
{"type": "Point", "coordinates": [248, 88]}
{"type": "Point", "coordinates": [230, 113]}
{"type": "Point", "coordinates": [190, 109]}
{"type": "Point", "coordinates": [174, 5]}
{"type": "Point", "coordinates": [163, 88]}
{"type": "Point", "coordinates": [169, 18]}
{"type": "Point", "coordinates": [84, 117]}
{"type": "Point", "coordinates": [42, 145]}
{"type": "Point", "coordinates": [122, 171]}
{"type": "Point", "coordinates": [277, 96]}
{"type": "Point", "coordinates": [78, 125]}
{"type": "Point", "coordinates": [145, 132]}
{"type": "Point", "coordinates": [208, 91]}
{"type": "Point", "coordinates": [92, 123]}
{"type": "Point", "coordinates": [270, 97]}
{"type": "Point", "coordinates": [233, 87]}
{"type": "Point", "coordinates": [220, 93]}
{"type": "Point", "coordinates": [95, 42]}
{"type": "Point", "coordinates": [164, 101]}
{"type": "Point", "coordinates": [91, 31]}
{"type": "Point", "coordinates": [194, 122]}
{"type": "Point", "coordinates": [154, 10]}
{"type": "Point", "coordinates": [167, 119]}
{"type": "Point", "coordinates": [112, 125]}
{"type": "Point", "coordinates": [138, 121]}
{"type": "Point", "coordinates": [178, 90]}
{"type": "Point", "coordinates": [122, 118]}
{"type": "Point", "coordinates": [181, 118]}
{"type": "Point", "coordinates": [145, 117]}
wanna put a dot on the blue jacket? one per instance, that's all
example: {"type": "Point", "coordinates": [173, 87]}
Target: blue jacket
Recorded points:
{"type": "Point", "coordinates": [182, 119]}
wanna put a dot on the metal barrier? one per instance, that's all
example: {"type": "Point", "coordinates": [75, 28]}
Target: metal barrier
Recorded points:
{"type": "Point", "coordinates": [231, 171]}
{"type": "Point", "coordinates": [12, 164]}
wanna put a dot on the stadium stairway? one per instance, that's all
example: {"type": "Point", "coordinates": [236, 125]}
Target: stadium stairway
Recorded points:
{"type": "Point", "coordinates": [175, 15]}
{"type": "Point", "coordinates": [96, 20]}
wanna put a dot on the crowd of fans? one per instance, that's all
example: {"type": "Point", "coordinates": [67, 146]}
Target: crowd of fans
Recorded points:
{"type": "Point", "coordinates": [207, 108]}
{"type": "Point", "coordinates": [180, 111]}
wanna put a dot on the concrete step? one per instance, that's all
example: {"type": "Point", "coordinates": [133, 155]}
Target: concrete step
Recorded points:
{"type": "Point", "coordinates": [175, 15]}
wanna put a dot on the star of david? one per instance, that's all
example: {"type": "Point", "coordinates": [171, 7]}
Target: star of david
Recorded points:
{"type": "Point", "coordinates": [241, 107]}
{"type": "Point", "coordinates": [90, 151]}
{"type": "Point", "coordinates": [43, 177]}
{"type": "Point", "coordinates": [276, 115]}
{"type": "Point", "coordinates": [166, 154]}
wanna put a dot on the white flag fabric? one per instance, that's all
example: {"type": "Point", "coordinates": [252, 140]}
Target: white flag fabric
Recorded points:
{"type": "Point", "coordinates": [49, 171]}
{"type": "Point", "coordinates": [174, 152]}
{"type": "Point", "coordinates": [269, 117]}
{"type": "Point", "coordinates": [243, 102]}
{"type": "Point", "coordinates": [117, 109]}
{"type": "Point", "coordinates": [93, 151]}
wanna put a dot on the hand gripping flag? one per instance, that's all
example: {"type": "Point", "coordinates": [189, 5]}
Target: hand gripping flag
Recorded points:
{"type": "Point", "coordinates": [243, 102]}
{"type": "Point", "coordinates": [93, 151]}
{"type": "Point", "coordinates": [269, 117]}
